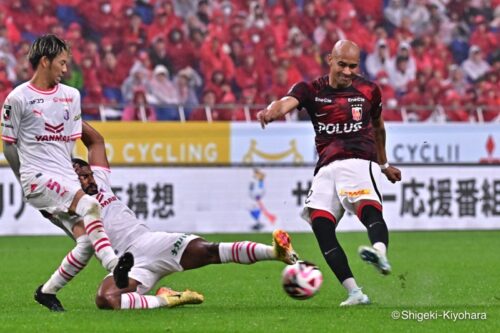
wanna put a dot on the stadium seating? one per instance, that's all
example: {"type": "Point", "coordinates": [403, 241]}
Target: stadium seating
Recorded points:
{"type": "Point", "coordinates": [425, 55]}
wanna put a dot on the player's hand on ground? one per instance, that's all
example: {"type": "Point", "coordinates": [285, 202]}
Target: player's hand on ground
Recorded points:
{"type": "Point", "coordinates": [261, 117]}
{"type": "Point", "coordinates": [393, 174]}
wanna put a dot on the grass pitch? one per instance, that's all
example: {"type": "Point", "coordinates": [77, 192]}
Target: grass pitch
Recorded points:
{"type": "Point", "coordinates": [441, 281]}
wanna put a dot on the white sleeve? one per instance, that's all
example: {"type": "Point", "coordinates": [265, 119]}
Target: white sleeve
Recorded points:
{"type": "Point", "coordinates": [12, 113]}
{"type": "Point", "coordinates": [76, 132]}
{"type": "Point", "coordinates": [101, 174]}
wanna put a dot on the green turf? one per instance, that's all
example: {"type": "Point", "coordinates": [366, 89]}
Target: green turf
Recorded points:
{"type": "Point", "coordinates": [433, 272]}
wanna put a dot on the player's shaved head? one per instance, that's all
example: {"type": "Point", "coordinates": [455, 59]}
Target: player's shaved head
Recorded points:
{"type": "Point", "coordinates": [345, 49]}
{"type": "Point", "coordinates": [344, 62]}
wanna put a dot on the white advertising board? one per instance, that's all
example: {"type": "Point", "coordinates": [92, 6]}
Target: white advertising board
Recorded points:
{"type": "Point", "coordinates": [206, 200]}
{"type": "Point", "coordinates": [293, 143]}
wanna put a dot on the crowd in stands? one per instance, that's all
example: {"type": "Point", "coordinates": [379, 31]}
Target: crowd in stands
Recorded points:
{"type": "Point", "coordinates": [433, 59]}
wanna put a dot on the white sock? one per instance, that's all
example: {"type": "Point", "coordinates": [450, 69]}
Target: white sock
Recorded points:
{"type": "Point", "coordinates": [350, 284]}
{"type": "Point", "coordinates": [73, 263]}
{"type": "Point", "coordinates": [245, 252]}
{"type": "Point", "coordinates": [380, 247]}
{"type": "Point", "coordinates": [138, 301]}
{"type": "Point", "coordinates": [90, 209]}
{"type": "Point", "coordinates": [100, 242]}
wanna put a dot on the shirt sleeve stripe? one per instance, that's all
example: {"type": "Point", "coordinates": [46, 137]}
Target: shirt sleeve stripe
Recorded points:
{"type": "Point", "coordinates": [9, 139]}
{"type": "Point", "coordinates": [100, 167]}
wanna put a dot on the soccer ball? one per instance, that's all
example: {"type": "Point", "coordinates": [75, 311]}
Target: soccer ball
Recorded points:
{"type": "Point", "coordinates": [302, 280]}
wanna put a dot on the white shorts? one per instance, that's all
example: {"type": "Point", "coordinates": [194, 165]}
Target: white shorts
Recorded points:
{"type": "Point", "coordinates": [53, 194]}
{"type": "Point", "coordinates": [340, 184]}
{"type": "Point", "coordinates": [66, 222]}
{"type": "Point", "coordinates": [156, 255]}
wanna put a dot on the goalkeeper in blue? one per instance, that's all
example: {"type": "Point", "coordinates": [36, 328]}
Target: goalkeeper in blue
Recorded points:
{"type": "Point", "coordinates": [155, 254]}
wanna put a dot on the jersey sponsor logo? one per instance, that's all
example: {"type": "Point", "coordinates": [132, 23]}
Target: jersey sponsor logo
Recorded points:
{"type": "Point", "coordinates": [339, 128]}
{"type": "Point", "coordinates": [357, 112]}
{"type": "Point", "coordinates": [77, 117]}
{"type": "Point", "coordinates": [54, 129]}
{"type": "Point", "coordinates": [320, 114]}
{"type": "Point", "coordinates": [353, 194]}
{"type": "Point", "coordinates": [63, 99]}
{"type": "Point", "coordinates": [58, 138]}
{"type": "Point", "coordinates": [106, 202]}
{"type": "Point", "coordinates": [36, 101]}
{"type": "Point", "coordinates": [322, 100]}
{"type": "Point", "coordinates": [355, 99]}
{"type": "Point", "coordinates": [6, 112]}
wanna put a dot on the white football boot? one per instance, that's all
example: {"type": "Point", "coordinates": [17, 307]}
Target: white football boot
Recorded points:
{"type": "Point", "coordinates": [356, 297]}
{"type": "Point", "coordinates": [372, 256]}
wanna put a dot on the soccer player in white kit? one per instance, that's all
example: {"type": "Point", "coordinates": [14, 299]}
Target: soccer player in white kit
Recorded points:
{"type": "Point", "coordinates": [41, 121]}
{"type": "Point", "coordinates": [156, 254]}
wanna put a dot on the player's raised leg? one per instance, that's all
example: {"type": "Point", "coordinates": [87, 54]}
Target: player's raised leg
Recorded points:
{"type": "Point", "coordinates": [370, 214]}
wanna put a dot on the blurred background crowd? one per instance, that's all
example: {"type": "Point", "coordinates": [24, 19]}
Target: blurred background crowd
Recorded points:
{"type": "Point", "coordinates": [434, 60]}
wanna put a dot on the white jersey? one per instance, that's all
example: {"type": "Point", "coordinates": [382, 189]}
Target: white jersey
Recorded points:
{"type": "Point", "coordinates": [44, 125]}
{"type": "Point", "coordinates": [120, 222]}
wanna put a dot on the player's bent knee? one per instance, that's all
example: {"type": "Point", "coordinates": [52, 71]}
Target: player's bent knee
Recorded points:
{"type": "Point", "coordinates": [88, 206]}
{"type": "Point", "coordinates": [108, 301]}
{"type": "Point", "coordinates": [199, 253]}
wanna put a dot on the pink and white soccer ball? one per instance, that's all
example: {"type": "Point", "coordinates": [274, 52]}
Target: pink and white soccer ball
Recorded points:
{"type": "Point", "coordinates": [302, 280]}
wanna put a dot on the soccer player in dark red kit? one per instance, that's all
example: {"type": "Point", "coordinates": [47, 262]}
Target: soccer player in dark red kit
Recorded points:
{"type": "Point", "coordinates": [345, 110]}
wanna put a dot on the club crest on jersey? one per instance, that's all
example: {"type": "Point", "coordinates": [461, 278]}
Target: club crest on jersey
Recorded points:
{"type": "Point", "coordinates": [357, 112]}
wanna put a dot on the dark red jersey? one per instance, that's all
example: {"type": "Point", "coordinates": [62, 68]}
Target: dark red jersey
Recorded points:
{"type": "Point", "coordinates": [341, 118]}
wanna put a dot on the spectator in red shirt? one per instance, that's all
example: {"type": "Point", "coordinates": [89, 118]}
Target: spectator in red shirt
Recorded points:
{"type": "Point", "coordinates": [136, 29]}
{"type": "Point", "coordinates": [127, 56]}
{"type": "Point", "coordinates": [92, 102]}
{"type": "Point", "coordinates": [308, 20]}
{"type": "Point", "coordinates": [213, 58]}
{"type": "Point", "coordinates": [485, 39]}
{"type": "Point", "coordinates": [248, 74]}
{"type": "Point", "coordinates": [309, 62]}
{"type": "Point", "coordinates": [391, 111]}
{"type": "Point", "coordinates": [418, 104]}
{"type": "Point", "coordinates": [111, 77]}
{"type": "Point", "coordinates": [453, 106]}
{"type": "Point", "coordinates": [139, 108]}
{"type": "Point", "coordinates": [180, 51]}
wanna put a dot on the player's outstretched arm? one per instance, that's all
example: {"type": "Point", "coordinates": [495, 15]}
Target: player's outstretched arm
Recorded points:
{"type": "Point", "coordinates": [277, 109]}
{"type": "Point", "coordinates": [12, 157]}
{"type": "Point", "coordinates": [96, 147]}
{"type": "Point", "coordinates": [393, 174]}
